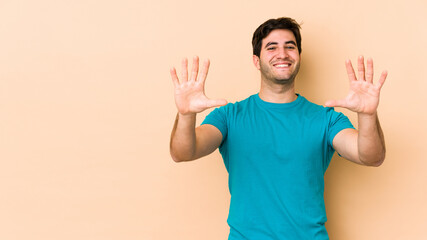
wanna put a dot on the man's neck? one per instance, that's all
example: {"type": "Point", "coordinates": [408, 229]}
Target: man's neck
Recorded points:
{"type": "Point", "coordinates": [276, 93]}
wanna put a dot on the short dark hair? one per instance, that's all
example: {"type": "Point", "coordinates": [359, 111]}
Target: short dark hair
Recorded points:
{"type": "Point", "coordinates": [279, 23]}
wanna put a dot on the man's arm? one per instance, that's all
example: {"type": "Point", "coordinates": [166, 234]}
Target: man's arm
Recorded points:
{"type": "Point", "coordinates": [190, 143]}
{"type": "Point", "coordinates": [187, 142]}
{"type": "Point", "coordinates": [366, 146]}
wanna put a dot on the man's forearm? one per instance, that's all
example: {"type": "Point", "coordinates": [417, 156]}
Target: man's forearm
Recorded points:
{"type": "Point", "coordinates": [183, 138]}
{"type": "Point", "coordinates": [371, 144]}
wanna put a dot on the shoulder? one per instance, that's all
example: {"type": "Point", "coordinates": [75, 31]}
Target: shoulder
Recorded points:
{"type": "Point", "coordinates": [329, 114]}
{"type": "Point", "coordinates": [230, 109]}
{"type": "Point", "coordinates": [314, 108]}
{"type": "Point", "coordinates": [238, 105]}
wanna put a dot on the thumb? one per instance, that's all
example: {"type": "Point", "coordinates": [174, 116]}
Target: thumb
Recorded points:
{"type": "Point", "coordinates": [335, 103]}
{"type": "Point", "coordinates": [216, 103]}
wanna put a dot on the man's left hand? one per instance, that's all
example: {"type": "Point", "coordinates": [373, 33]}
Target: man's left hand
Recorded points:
{"type": "Point", "coordinates": [364, 95]}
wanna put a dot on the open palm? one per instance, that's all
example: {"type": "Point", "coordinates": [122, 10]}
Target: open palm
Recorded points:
{"type": "Point", "coordinates": [364, 95]}
{"type": "Point", "coordinates": [190, 95]}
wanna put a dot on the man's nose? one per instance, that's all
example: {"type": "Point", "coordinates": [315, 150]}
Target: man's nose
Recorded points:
{"type": "Point", "coordinates": [283, 53]}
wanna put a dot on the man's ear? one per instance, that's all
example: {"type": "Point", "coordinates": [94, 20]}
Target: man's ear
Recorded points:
{"type": "Point", "coordinates": [256, 61]}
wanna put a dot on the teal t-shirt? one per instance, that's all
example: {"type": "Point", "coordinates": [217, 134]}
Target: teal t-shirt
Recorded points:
{"type": "Point", "coordinates": [276, 156]}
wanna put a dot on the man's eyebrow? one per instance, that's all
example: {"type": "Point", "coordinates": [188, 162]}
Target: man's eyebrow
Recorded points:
{"type": "Point", "coordinates": [275, 43]}
{"type": "Point", "coordinates": [270, 43]}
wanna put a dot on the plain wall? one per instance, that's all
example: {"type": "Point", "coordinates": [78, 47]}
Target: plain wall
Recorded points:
{"type": "Point", "coordinates": [86, 110]}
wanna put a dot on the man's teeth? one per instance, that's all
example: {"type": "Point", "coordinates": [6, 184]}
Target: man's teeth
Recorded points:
{"type": "Point", "coordinates": [282, 65]}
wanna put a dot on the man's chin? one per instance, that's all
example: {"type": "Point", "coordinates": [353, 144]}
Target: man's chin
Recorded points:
{"type": "Point", "coordinates": [284, 81]}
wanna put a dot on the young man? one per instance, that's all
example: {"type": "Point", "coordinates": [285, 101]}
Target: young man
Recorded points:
{"type": "Point", "coordinates": [277, 145]}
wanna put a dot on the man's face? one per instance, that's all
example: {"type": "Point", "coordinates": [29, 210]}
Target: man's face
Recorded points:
{"type": "Point", "coordinates": [279, 58]}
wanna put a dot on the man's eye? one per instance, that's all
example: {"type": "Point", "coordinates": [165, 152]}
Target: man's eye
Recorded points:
{"type": "Point", "coordinates": [271, 48]}
{"type": "Point", "coordinates": [290, 47]}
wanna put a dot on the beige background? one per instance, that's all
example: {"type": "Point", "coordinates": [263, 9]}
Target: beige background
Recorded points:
{"type": "Point", "coordinates": [86, 109]}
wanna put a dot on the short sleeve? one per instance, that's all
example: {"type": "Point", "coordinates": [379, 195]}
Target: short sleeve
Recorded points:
{"type": "Point", "coordinates": [337, 122]}
{"type": "Point", "coordinates": [218, 119]}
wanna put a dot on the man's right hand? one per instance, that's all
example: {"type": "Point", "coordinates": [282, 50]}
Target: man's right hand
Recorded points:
{"type": "Point", "coordinates": [190, 95]}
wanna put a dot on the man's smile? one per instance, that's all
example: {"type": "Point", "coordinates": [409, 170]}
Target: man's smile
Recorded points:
{"type": "Point", "coordinates": [282, 65]}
